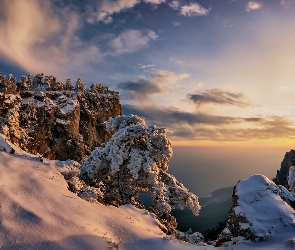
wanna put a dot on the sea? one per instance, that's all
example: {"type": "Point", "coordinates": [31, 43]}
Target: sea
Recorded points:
{"type": "Point", "coordinates": [212, 172]}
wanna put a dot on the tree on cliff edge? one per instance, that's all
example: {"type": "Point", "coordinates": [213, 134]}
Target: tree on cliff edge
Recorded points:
{"type": "Point", "coordinates": [135, 161]}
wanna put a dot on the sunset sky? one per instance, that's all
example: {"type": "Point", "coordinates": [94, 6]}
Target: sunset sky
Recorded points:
{"type": "Point", "coordinates": [213, 72]}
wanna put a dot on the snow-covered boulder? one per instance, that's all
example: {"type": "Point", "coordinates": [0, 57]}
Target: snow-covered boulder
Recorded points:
{"type": "Point", "coordinates": [259, 210]}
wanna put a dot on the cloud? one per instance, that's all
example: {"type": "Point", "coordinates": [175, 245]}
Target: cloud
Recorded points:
{"type": "Point", "coordinates": [198, 126]}
{"type": "Point", "coordinates": [174, 5]}
{"type": "Point", "coordinates": [170, 117]}
{"type": "Point", "coordinates": [166, 77]}
{"type": "Point", "coordinates": [194, 9]}
{"type": "Point", "coordinates": [46, 35]}
{"type": "Point", "coordinates": [160, 82]}
{"type": "Point", "coordinates": [285, 3]}
{"type": "Point", "coordinates": [154, 1]}
{"type": "Point", "coordinates": [131, 40]}
{"type": "Point", "coordinates": [139, 90]}
{"type": "Point", "coordinates": [273, 127]}
{"type": "Point", "coordinates": [103, 10]}
{"type": "Point", "coordinates": [176, 24]}
{"type": "Point", "coordinates": [253, 6]}
{"type": "Point", "coordinates": [216, 96]}
{"type": "Point", "coordinates": [146, 66]}
{"type": "Point", "coordinates": [26, 42]}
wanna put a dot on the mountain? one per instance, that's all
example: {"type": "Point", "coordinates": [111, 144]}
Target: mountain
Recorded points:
{"type": "Point", "coordinates": [63, 124]}
{"type": "Point", "coordinates": [50, 123]}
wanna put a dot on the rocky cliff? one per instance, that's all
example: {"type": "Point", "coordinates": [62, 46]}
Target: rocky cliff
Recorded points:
{"type": "Point", "coordinates": [282, 174]}
{"type": "Point", "coordinates": [58, 124]}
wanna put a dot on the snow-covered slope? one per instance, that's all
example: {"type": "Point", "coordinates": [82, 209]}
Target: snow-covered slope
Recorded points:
{"type": "Point", "coordinates": [38, 212]}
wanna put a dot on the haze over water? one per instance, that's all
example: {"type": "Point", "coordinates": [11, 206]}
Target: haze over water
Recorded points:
{"type": "Point", "coordinates": [205, 169]}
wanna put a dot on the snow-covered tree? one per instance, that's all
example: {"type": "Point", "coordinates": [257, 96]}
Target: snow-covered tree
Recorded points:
{"type": "Point", "coordinates": [11, 84]}
{"type": "Point", "coordinates": [22, 85]}
{"type": "Point", "coordinates": [68, 85]}
{"type": "Point", "coordinates": [50, 83]}
{"type": "Point", "coordinates": [38, 81]}
{"type": "Point", "coordinates": [30, 82]}
{"type": "Point", "coordinates": [58, 86]}
{"type": "Point", "coordinates": [95, 88]}
{"type": "Point", "coordinates": [2, 83]}
{"type": "Point", "coordinates": [135, 161]}
{"type": "Point", "coordinates": [80, 85]}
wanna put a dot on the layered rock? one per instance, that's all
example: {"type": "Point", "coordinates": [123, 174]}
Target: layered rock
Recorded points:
{"type": "Point", "coordinates": [282, 174]}
{"type": "Point", "coordinates": [62, 125]}
{"type": "Point", "coordinates": [259, 210]}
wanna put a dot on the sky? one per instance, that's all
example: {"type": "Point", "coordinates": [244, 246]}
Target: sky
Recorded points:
{"type": "Point", "coordinates": [212, 72]}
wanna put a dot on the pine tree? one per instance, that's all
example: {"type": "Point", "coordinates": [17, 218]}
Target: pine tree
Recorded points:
{"type": "Point", "coordinates": [135, 161]}
{"type": "Point", "coordinates": [11, 84]}
{"type": "Point", "coordinates": [68, 85]}
{"type": "Point", "coordinates": [80, 86]}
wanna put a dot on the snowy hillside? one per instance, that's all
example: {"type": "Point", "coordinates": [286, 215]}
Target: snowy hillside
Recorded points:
{"type": "Point", "coordinates": [38, 212]}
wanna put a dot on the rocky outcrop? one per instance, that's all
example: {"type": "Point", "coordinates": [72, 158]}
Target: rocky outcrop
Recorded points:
{"type": "Point", "coordinates": [259, 210]}
{"type": "Point", "coordinates": [282, 174]}
{"type": "Point", "coordinates": [66, 124]}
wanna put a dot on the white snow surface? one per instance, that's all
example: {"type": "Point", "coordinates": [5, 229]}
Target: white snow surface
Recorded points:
{"type": "Point", "coordinates": [261, 204]}
{"type": "Point", "coordinates": [38, 212]}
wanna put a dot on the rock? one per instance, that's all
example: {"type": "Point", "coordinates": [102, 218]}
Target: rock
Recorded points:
{"type": "Point", "coordinates": [258, 210]}
{"type": "Point", "coordinates": [282, 174]}
{"type": "Point", "coordinates": [62, 125]}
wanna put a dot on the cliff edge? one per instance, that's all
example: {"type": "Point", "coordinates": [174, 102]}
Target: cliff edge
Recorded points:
{"type": "Point", "coordinates": [58, 123]}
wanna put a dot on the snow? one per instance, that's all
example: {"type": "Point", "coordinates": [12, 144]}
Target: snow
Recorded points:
{"type": "Point", "coordinates": [62, 121]}
{"type": "Point", "coordinates": [263, 207]}
{"type": "Point", "coordinates": [39, 212]}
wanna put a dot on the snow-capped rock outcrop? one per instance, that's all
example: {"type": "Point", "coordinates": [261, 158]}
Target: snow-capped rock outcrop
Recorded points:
{"type": "Point", "coordinates": [259, 210]}
{"type": "Point", "coordinates": [62, 125]}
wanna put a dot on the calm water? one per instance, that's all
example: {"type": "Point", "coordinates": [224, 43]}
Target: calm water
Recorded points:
{"type": "Point", "coordinates": [205, 169]}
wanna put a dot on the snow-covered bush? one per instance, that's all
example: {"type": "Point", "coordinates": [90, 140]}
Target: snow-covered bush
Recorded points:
{"type": "Point", "coordinates": [135, 161]}
{"type": "Point", "coordinates": [189, 236]}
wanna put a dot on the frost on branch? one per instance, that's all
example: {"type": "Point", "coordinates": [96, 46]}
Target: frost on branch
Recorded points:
{"type": "Point", "coordinates": [135, 161]}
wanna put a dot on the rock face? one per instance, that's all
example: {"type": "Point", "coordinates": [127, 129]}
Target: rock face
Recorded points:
{"type": "Point", "coordinates": [62, 125]}
{"type": "Point", "coordinates": [282, 174]}
{"type": "Point", "coordinates": [259, 210]}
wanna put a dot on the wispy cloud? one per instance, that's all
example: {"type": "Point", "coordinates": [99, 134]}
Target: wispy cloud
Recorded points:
{"type": "Point", "coordinates": [199, 126]}
{"type": "Point", "coordinates": [131, 40]}
{"type": "Point", "coordinates": [253, 6]}
{"type": "Point", "coordinates": [139, 90]}
{"type": "Point", "coordinates": [269, 128]}
{"type": "Point", "coordinates": [161, 81]}
{"type": "Point", "coordinates": [170, 117]}
{"type": "Point", "coordinates": [103, 10]}
{"type": "Point", "coordinates": [193, 9]}
{"type": "Point", "coordinates": [146, 66]}
{"type": "Point", "coordinates": [25, 41]}
{"type": "Point", "coordinates": [285, 3]}
{"type": "Point", "coordinates": [155, 1]}
{"type": "Point", "coordinates": [174, 4]}
{"type": "Point", "coordinates": [219, 97]}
